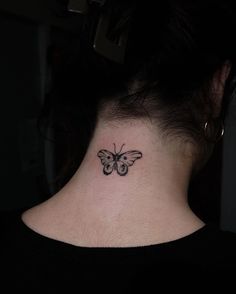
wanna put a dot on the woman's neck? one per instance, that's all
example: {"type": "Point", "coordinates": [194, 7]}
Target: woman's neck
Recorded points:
{"type": "Point", "coordinates": [129, 197]}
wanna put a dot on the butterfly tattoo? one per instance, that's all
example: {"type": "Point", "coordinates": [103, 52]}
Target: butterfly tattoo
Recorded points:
{"type": "Point", "coordinates": [118, 161]}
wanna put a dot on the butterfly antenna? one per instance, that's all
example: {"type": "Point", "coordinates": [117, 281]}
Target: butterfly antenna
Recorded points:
{"type": "Point", "coordinates": [121, 148]}
{"type": "Point", "coordinates": [114, 147]}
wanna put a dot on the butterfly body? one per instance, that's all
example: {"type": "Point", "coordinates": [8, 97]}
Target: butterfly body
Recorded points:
{"type": "Point", "coordinates": [118, 161]}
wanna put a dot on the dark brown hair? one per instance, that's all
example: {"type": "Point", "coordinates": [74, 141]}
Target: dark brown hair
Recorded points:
{"type": "Point", "coordinates": [173, 51]}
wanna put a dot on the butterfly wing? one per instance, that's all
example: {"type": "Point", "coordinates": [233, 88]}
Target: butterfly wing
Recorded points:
{"type": "Point", "coordinates": [127, 159]}
{"type": "Point", "coordinates": [108, 161]}
{"type": "Point", "coordinates": [122, 168]}
{"type": "Point", "coordinates": [130, 157]}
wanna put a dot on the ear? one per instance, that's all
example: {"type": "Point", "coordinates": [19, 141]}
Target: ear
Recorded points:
{"type": "Point", "coordinates": [219, 80]}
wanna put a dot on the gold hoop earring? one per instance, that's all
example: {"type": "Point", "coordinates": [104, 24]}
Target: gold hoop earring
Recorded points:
{"type": "Point", "coordinates": [214, 130]}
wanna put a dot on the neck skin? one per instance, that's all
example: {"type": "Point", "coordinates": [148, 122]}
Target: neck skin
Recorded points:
{"type": "Point", "coordinates": [146, 206]}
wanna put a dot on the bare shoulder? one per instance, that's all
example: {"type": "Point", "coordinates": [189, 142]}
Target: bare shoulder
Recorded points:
{"type": "Point", "coordinates": [40, 217]}
{"type": "Point", "coordinates": [33, 214]}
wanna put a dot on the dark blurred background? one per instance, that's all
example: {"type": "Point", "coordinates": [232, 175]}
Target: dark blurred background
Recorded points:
{"type": "Point", "coordinates": [36, 37]}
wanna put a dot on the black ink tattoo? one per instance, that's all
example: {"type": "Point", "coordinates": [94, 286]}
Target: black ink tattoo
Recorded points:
{"type": "Point", "coordinates": [118, 161]}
